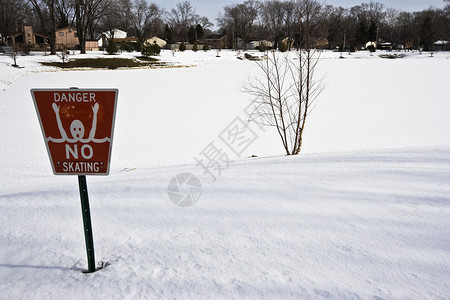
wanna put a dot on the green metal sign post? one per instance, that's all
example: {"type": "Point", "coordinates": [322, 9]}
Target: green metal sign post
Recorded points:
{"type": "Point", "coordinates": [87, 223]}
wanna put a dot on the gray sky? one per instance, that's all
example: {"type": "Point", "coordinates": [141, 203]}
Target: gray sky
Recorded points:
{"type": "Point", "coordinates": [211, 8]}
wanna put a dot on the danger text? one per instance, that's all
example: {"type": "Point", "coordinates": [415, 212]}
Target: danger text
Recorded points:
{"type": "Point", "coordinates": [73, 97]}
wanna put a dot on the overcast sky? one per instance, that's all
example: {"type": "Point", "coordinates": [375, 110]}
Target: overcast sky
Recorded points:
{"type": "Point", "coordinates": [211, 8]}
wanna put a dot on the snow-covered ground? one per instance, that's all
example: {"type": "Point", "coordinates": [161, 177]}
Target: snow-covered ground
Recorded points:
{"type": "Point", "coordinates": [362, 213]}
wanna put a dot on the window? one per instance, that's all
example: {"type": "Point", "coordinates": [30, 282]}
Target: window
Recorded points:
{"type": "Point", "coordinates": [61, 34]}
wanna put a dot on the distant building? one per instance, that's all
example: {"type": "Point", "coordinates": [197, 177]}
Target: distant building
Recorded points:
{"type": "Point", "coordinates": [114, 33]}
{"type": "Point", "coordinates": [322, 43]}
{"type": "Point", "coordinates": [27, 37]}
{"type": "Point", "coordinates": [160, 42]}
{"type": "Point", "coordinates": [257, 44]}
{"type": "Point", "coordinates": [216, 41]}
{"type": "Point", "coordinates": [68, 37]}
{"type": "Point", "coordinates": [289, 42]}
{"type": "Point", "coordinates": [385, 46]}
{"type": "Point", "coordinates": [441, 45]}
{"type": "Point", "coordinates": [370, 44]}
{"type": "Point", "coordinates": [128, 39]}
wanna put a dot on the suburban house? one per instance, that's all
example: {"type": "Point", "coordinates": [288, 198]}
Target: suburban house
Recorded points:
{"type": "Point", "coordinates": [160, 42]}
{"type": "Point", "coordinates": [28, 37]}
{"type": "Point", "coordinates": [214, 41]}
{"type": "Point", "coordinates": [370, 44]}
{"type": "Point", "coordinates": [68, 37]}
{"type": "Point", "coordinates": [257, 44]}
{"type": "Point", "coordinates": [385, 46]}
{"type": "Point", "coordinates": [217, 41]}
{"type": "Point", "coordinates": [321, 43]}
{"type": "Point", "coordinates": [289, 42]}
{"type": "Point", "coordinates": [441, 45]}
{"type": "Point", "coordinates": [128, 39]}
{"type": "Point", "coordinates": [115, 34]}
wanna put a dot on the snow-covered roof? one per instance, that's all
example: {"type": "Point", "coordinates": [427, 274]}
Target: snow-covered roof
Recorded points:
{"type": "Point", "coordinates": [441, 42]}
{"type": "Point", "coordinates": [117, 33]}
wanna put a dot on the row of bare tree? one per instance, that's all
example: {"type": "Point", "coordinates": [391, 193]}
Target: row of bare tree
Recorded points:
{"type": "Point", "coordinates": [275, 20]}
{"type": "Point", "coordinates": [252, 19]}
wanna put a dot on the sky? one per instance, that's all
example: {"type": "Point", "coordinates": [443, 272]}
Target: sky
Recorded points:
{"type": "Point", "coordinates": [211, 8]}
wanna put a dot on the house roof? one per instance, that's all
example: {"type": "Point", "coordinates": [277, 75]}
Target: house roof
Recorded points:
{"type": "Point", "coordinates": [215, 37]}
{"type": "Point", "coordinates": [64, 28]}
{"type": "Point", "coordinates": [440, 42]}
{"type": "Point", "coordinates": [107, 34]}
{"type": "Point", "coordinates": [155, 38]}
{"type": "Point", "coordinates": [21, 33]}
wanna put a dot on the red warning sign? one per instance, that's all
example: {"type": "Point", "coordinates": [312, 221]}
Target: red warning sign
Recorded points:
{"type": "Point", "coordinates": [78, 128]}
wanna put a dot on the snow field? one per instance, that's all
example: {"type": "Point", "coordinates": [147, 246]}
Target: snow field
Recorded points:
{"type": "Point", "coordinates": [362, 213]}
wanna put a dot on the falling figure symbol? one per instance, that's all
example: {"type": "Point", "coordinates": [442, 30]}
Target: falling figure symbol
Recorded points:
{"type": "Point", "coordinates": [77, 129]}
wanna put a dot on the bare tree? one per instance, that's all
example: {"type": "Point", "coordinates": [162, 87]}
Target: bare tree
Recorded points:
{"type": "Point", "coordinates": [287, 87]}
{"type": "Point", "coordinates": [181, 18]}
{"type": "Point", "coordinates": [117, 15]}
{"type": "Point", "coordinates": [278, 17]}
{"type": "Point", "coordinates": [389, 26]}
{"type": "Point", "coordinates": [45, 9]}
{"type": "Point", "coordinates": [87, 15]}
{"type": "Point", "coordinates": [14, 53]}
{"type": "Point", "coordinates": [143, 18]}
{"type": "Point", "coordinates": [63, 53]}
{"type": "Point", "coordinates": [240, 19]}
{"type": "Point", "coordinates": [205, 23]}
{"type": "Point", "coordinates": [11, 13]}
{"type": "Point", "coordinates": [334, 25]}
{"type": "Point", "coordinates": [64, 13]}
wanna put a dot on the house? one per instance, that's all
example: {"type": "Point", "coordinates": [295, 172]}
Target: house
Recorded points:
{"type": "Point", "coordinates": [28, 38]}
{"type": "Point", "coordinates": [258, 44]}
{"type": "Point", "coordinates": [321, 43]}
{"type": "Point", "coordinates": [114, 33]}
{"type": "Point", "coordinates": [385, 46]}
{"type": "Point", "coordinates": [176, 46]}
{"type": "Point", "coordinates": [213, 41]}
{"type": "Point", "coordinates": [441, 45]}
{"type": "Point", "coordinates": [128, 39]}
{"type": "Point", "coordinates": [238, 43]}
{"type": "Point", "coordinates": [68, 37]}
{"type": "Point", "coordinates": [216, 41]}
{"type": "Point", "coordinates": [160, 42]}
{"type": "Point", "coordinates": [288, 42]}
{"type": "Point", "coordinates": [370, 44]}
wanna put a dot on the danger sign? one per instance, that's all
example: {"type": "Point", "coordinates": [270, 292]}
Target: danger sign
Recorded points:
{"type": "Point", "coordinates": [78, 128]}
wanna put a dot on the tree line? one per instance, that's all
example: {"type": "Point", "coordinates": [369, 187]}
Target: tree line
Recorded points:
{"type": "Point", "coordinates": [272, 20]}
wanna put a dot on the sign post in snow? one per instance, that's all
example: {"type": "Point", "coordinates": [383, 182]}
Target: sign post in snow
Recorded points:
{"type": "Point", "coordinates": [78, 128]}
